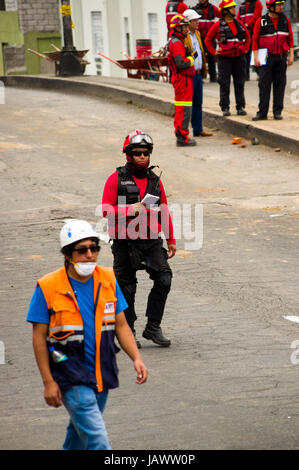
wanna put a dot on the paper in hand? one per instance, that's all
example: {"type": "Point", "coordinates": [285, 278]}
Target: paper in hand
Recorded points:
{"type": "Point", "coordinates": [150, 200]}
{"type": "Point", "coordinates": [262, 57]}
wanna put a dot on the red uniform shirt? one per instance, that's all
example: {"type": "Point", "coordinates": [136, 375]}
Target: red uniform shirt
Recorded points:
{"type": "Point", "coordinates": [215, 33]}
{"type": "Point", "coordinates": [257, 29]}
{"type": "Point", "coordinates": [205, 25]}
{"type": "Point", "coordinates": [251, 20]}
{"type": "Point", "coordinates": [119, 216]}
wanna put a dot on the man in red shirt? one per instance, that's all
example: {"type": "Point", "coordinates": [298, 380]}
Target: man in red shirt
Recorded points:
{"type": "Point", "coordinates": [135, 230]}
{"type": "Point", "coordinates": [208, 14]}
{"type": "Point", "coordinates": [249, 12]}
{"type": "Point", "coordinates": [234, 42]}
{"type": "Point", "coordinates": [273, 32]}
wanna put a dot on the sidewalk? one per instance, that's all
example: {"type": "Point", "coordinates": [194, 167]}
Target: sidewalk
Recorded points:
{"type": "Point", "coordinates": [158, 97]}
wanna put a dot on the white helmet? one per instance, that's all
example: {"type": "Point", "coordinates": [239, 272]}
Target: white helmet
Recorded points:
{"type": "Point", "coordinates": [191, 15]}
{"type": "Point", "coordinates": [75, 230]}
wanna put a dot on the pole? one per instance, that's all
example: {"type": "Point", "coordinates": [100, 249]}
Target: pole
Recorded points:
{"type": "Point", "coordinates": [67, 25]}
{"type": "Point", "coordinates": [69, 60]}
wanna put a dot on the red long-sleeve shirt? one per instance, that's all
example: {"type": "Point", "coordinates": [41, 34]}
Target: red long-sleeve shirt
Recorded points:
{"type": "Point", "coordinates": [256, 15]}
{"type": "Point", "coordinates": [215, 33]}
{"type": "Point", "coordinates": [216, 11]}
{"type": "Point", "coordinates": [120, 216]}
{"type": "Point", "coordinates": [257, 30]}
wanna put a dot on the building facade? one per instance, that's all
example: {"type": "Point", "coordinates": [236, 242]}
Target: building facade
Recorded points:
{"type": "Point", "coordinates": [28, 24]}
{"type": "Point", "coordinates": [113, 26]}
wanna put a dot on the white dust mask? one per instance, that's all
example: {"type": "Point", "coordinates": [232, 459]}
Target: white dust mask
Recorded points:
{"type": "Point", "coordinates": [84, 269]}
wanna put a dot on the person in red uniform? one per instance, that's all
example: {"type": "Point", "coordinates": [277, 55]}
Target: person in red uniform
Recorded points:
{"type": "Point", "coordinates": [208, 14]}
{"type": "Point", "coordinates": [181, 64]}
{"type": "Point", "coordinates": [234, 42]}
{"type": "Point", "coordinates": [249, 12]}
{"type": "Point", "coordinates": [174, 8]}
{"type": "Point", "coordinates": [273, 32]}
{"type": "Point", "coordinates": [135, 231]}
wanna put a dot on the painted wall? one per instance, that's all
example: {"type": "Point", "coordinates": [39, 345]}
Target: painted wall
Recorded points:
{"type": "Point", "coordinates": [9, 33]}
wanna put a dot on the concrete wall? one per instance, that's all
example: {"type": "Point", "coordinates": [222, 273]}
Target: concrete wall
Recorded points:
{"type": "Point", "coordinates": [39, 15]}
{"type": "Point", "coordinates": [28, 24]}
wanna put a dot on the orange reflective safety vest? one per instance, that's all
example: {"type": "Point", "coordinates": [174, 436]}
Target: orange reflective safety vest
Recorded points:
{"type": "Point", "coordinates": [66, 332]}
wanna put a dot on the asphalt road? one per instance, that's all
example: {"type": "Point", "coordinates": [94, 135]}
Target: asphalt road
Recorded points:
{"type": "Point", "coordinates": [230, 378]}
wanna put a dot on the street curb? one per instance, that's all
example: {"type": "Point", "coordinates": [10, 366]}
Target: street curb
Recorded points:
{"type": "Point", "coordinates": [150, 102]}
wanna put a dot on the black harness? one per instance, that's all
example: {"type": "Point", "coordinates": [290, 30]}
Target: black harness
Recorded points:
{"type": "Point", "coordinates": [227, 34]}
{"type": "Point", "coordinates": [211, 13]}
{"type": "Point", "coordinates": [128, 189]}
{"type": "Point", "coordinates": [267, 26]}
{"type": "Point", "coordinates": [250, 8]}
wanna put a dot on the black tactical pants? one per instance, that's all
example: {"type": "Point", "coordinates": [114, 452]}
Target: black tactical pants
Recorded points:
{"type": "Point", "coordinates": [235, 67]}
{"type": "Point", "coordinates": [131, 256]}
{"type": "Point", "coordinates": [272, 73]}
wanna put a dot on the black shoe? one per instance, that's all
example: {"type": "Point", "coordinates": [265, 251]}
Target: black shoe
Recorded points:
{"type": "Point", "coordinates": [241, 112]}
{"type": "Point", "coordinates": [226, 112]}
{"type": "Point", "coordinates": [278, 116]}
{"type": "Point", "coordinates": [183, 143]}
{"type": "Point", "coordinates": [154, 332]}
{"type": "Point", "coordinates": [259, 117]}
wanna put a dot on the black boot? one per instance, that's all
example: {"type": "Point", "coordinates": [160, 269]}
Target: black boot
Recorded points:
{"type": "Point", "coordinates": [154, 332]}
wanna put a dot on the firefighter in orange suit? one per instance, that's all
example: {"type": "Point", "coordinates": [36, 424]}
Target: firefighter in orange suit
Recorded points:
{"type": "Point", "coordinates": [181, 64]}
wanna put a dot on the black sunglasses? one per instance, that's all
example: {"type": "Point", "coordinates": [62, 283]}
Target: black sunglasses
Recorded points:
{"type": "Point", "coordinates": [83, 249]}
{"type": "Point", "coordinates": [138, 153]}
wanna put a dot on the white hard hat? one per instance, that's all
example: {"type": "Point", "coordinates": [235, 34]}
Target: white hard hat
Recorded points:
{"type": "Point", "coordinates": [191, 14]}
{"type": "Point", "coordinates": [75, 230]}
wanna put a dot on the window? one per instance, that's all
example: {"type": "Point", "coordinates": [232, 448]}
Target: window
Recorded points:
{"type": "Point", "coordinates": [153, 30]}
{"type": "Point", "coordinates": [127, 36]}
{"type": "Point", "coordinates": [97, 32]}
{"type": "Point", "coordinates": [9, 5]}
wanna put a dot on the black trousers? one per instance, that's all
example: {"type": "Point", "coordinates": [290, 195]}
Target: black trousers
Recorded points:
{"type": "Point", "coordinates": [211, 61]}
{"type": "Point", "coordinates": [131, 256]}
{"type": "Point", "coordinates": [274, 73]}
{"type": "Point", "coordinates": [235, 67]}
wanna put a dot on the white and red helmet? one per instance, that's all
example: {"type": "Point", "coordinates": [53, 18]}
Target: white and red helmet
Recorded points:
{"type": "Point", "coordinates": [137, 138]}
